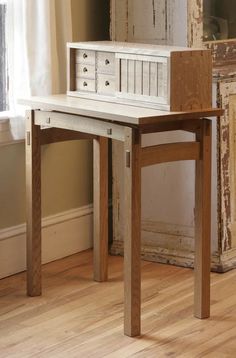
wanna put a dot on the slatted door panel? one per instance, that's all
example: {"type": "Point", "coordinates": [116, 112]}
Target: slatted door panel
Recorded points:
{"type": "Point", "coordinates": [143, 78]}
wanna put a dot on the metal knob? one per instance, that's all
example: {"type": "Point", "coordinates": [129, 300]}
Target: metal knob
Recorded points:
{"type": "Point", "coordinates": [85, 84]}
{"type": "Point", "coordinates": [85, 69]}
{"type": "Point", "coordinates": [85, 55]}
{"type": "Point", "coordinates": [107, 62]}
{"type": "Point", "coordinates": [107, 83]}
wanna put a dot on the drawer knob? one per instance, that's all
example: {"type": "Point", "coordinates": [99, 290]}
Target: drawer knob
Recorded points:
{"type": "Point", "coordinates": [85, 55]}
{"type": "Point", "coordinates": [85, 69]}
{"type": "Point", "coordinates": [107, 83]}
{"type": "Point", "coordinates": [85, 84]}
{"type": "Point", "coordinates": [107, 62]}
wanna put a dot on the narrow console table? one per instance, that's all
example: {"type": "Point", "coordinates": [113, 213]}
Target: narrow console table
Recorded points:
{"type": "Point", "coordinates": [59, 118]}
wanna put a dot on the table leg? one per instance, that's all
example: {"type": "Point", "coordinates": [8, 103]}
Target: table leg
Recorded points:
{"type": "Point", "coordinates": [132, 233]}
{"type": "Point", "coordinates": [33, 205]}
{"type": "Point", "coordinates": [203, 224]}
{"type": "Point", "coordinates": [100, 198]}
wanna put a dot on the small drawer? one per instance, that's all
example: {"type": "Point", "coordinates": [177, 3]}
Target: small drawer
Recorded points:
{"type": "Point", "coordinates": [85, 71]}
{"type": "Point", "coordinates": [85, 57]}
{"type": "Point", "coordinates": [106, 62]}
{"type": "Point", "coordinates": [106, 84]}
{"type": "Point", "coordinates": [84, 84]}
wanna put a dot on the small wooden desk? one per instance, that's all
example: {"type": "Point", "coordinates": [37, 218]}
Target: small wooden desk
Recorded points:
{"type": "Point", "coordinates": [73, 118]}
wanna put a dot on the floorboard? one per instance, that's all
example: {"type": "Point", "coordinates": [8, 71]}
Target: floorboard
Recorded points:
{"type": "Point", "coordinates": [77, 317]}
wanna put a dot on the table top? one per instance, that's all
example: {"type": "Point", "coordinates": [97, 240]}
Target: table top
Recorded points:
{"type": "Point", "coordinates": [130, 115]}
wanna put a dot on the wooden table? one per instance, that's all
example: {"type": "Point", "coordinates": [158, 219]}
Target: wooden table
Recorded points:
{"type": "Point", "coordinates": [74, 118]}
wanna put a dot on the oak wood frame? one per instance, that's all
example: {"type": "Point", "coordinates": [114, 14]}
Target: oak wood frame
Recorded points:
{"type": "Point", "coordinates": [135, 159]}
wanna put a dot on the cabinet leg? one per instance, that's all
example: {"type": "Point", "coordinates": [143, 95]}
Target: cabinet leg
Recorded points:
{"type": "Point", "coordinates": [203, 224]}
{"type": "Point", "coordinates": [33, 205]}
{"type": "Point", "coordinates": [132, 233]}
{"type": "Point", "coordinates": [100, 197]}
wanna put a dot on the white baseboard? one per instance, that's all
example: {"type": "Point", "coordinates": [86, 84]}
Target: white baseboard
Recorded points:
{"type": "Point", "coordinates": [63, 234]}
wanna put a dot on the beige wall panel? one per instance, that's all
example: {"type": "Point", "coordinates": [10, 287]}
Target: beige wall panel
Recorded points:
{"type": "Point", "coordinates": [66, 167]}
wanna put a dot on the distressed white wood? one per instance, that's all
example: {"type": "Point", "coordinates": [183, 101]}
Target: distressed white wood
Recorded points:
{"type": "Point", "coordinates": [139, 78]}
{"type": "Point", "coordinates": [84, 124]}
{"type": "Point", "coordinates": [146, 78]}
{"type": "Point", "coordinates": [85, 84]}
{"type": "Point", "coordinates": [131, 76]}
{"type": "Point", "coordinates": [151, 21]}
{"type": "Point", "coordinates": [124, 75]}
{"type": "Point", "coordinates": [85, 71]}
{"type": "Point", "coordinates": [154, 79]}
{"type": "Point", "coordinates": [106, 84]}
{"type": "Point", "coordinates": [146, 58]}
{"type": "Point", "coordinates": [106, 111]}
{"type": "Point", "coordinates": [124, 47]}
{"type": "Point", "coordinates": [153, 15]}
{"type": "Point", "coordinates": [85, 57]}
{"type": "Point", "coordinates": [106, 62]}
{"type": "Point", "coordinates": [232, 123]}
{"type": "Point", "coordinates": [184, 18]}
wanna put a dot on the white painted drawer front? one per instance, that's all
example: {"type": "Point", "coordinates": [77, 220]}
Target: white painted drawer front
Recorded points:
{"type": "Point", "coordinates": [85, 70]}
{"type": "Point", "coordinates": [106, 84]}
{"type": "Point", "coordinates": [85, 57]}
{"type": "Point", "coordinates": [85, 85]}
{"type": "Point", "coordinates": [106, 62]}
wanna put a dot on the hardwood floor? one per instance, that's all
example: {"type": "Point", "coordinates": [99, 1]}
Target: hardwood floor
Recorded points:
{"type": "Point", "coordinates": [77, 317]}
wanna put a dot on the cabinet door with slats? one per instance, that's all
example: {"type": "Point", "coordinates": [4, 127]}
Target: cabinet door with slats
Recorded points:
{"type": "Point", "coordinates": [143, 78]}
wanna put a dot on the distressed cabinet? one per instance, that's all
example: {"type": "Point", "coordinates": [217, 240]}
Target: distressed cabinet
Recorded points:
{"type": "Point", "coordinates": [167, 220]}
{"type": "Point", "coordinates": [143, 75]}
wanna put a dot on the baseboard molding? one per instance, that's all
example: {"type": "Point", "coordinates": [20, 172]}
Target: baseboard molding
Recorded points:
{"type": "Point", "coordinates": [173, 244]}
{"type": "Point", "coordinates": [63, 234]}
{"type": "Point", "coordinates": [164, 243]}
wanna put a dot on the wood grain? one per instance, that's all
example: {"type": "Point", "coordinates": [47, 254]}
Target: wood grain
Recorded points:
{"type": "Point", "coordinates": [132, 235]}
{"type": "Point", "coordinates": [54, 135]}
{"type": "Point", "coordinates": [106, 111]}
{"type": "Point", "coordinates": [191, 80]}
{"type": "Point", "coordinates": [33, 205]}
{"type": "Point", "coordinates": [100, 198]}
{"type": "Point", "coordinates": [80, 318]}
{"type": "Point", "coordinates": [202, 263]}
{"type": "Point", "coordinates": [79, 124]}
{"type": "Point", "coordinates": [71, 69]}
{"type": "Point", "coordinates": [163, 153]}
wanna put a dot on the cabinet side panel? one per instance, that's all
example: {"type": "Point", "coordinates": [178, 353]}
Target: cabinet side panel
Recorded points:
{"type": "Point", "coordinates": [191, 80]}
{"type": "Point", "coordinates": [71, 69]}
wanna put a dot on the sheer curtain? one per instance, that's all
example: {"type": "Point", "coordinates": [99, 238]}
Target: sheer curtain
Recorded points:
{"type": "Point", "coordinates": [37, 32]}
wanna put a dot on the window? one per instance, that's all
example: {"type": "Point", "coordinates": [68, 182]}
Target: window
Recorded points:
{"type": "Point", "coordinates": [3, 62]}
{"type": "Point", "coordinates": [219, 20]}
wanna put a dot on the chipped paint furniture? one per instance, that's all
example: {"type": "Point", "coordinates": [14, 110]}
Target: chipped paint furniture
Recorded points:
{"type": "Point", "coordinates": [209, 24]}
{"type": "Point", "coordinates": [223, 46]}
{"type": "Point", "coordinates": [59, 118]}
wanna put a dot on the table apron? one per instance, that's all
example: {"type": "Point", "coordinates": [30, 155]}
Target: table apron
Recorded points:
{"type": "Point", "coordinates": [80, 123]}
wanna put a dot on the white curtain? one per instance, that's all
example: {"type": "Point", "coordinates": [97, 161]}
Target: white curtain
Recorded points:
{"type": "Point", "coordinates": [37, 32]}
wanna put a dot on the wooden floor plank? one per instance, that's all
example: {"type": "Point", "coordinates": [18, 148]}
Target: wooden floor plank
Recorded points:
{"type": "Point", "coordinates": [77, 317]}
